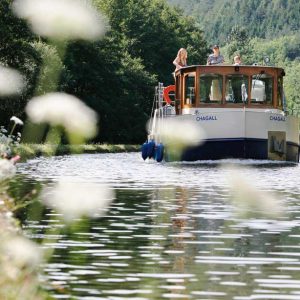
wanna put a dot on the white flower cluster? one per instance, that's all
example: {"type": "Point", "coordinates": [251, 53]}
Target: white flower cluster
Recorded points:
{"type": "Point", "coordinates": [7, 169]}
{"type": "Point", "coordinates": [11, 81]}
{"type": "Point", "coordinates": [16, 120]}
{"type": "Point", "coordinates": [180, 132]}
{"type": "Point", "coordinates": [8, 140]}
{"type": "Point", "coordinates": [62, 19]}
{"type": "Point", "coordinates": [249, 201]}
{"type": "Point", "coordinates": [65, 110]}
{"type": "Point", "coordinates": [75, 199]}
{"type": "Point", "coordinates": [22, 252]}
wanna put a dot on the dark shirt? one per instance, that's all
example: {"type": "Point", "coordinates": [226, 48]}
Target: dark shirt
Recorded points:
{"type": "Point", "coordinates": [214, 60]}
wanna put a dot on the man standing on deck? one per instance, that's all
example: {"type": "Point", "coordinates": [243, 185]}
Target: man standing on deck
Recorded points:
{"type": "Point", "coordinates": [215, 58]}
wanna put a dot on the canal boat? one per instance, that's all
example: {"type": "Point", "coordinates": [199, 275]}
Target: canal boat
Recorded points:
{"type": "Point", "coordinates": [241, 109]}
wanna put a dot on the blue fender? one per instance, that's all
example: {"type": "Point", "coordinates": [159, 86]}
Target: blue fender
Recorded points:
{"type": "Point", "coordinates": [151, 147]}
{"type": "Point", "coordinates": [148, 150]}
{"type": "Point", "coordinates": [144, 150]}
{"type": "Point", "coordinates": [159, 153]}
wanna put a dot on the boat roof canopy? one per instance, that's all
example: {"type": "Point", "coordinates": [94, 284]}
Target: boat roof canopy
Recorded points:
{"type": "Point", "coordinates": [224, 69]}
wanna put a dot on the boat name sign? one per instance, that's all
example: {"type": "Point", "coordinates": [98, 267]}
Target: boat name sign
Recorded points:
{"type": "Point", "coordinates": [279, 118]}
{"type": "Point", "coordinates": [206, 118]}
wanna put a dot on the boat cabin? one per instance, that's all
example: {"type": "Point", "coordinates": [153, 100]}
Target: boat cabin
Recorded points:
{"type": "Point", "coordinates": [229, 86]}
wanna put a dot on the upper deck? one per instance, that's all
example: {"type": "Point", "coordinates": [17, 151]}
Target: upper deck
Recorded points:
{"type": "Point", "coordinates": [229, 86]}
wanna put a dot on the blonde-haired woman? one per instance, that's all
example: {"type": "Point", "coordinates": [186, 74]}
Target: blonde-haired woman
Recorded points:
{"type": "Point", "coordinates": [181, 59]}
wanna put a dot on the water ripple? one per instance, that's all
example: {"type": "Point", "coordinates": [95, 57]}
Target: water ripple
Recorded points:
{"type": "Point", "coordinates": [171, 232]}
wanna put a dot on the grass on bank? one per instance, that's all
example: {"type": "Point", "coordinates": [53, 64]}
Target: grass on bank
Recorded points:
{"type": "Point", "coordinates": [20, 274]}
{"type": "Point", "coordinates": [32, 150]}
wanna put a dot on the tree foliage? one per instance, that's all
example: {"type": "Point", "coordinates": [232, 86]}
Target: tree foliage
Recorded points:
{"type": "Point", "coordinates": [153, 32]}
{"type": "Point", "coordinates": [16, 51]}
{"type": "Point", "coordinates": [238, 44]}
{"type": "Point", "coordinates": [263, 19]}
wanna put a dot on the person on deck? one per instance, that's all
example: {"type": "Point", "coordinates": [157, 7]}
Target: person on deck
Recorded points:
{"type": "Point", "coordinates": [215, 58]}
{"type": "Point", "coordinates": [181, 59]}
{"type": "Point", "coordinates": [237, 60]}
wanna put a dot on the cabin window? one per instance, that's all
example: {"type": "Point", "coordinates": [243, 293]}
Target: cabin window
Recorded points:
{"type": "Point", "coordinates": [211, 87]}
{"type": "Point", "coordinates": [280, 92]}
{"type": "Point", "coordinates": [262, 89]}
{"type": "Point", "coordinates": [236, 88]}
{"type": "Point", "coordinates": [189, 99]}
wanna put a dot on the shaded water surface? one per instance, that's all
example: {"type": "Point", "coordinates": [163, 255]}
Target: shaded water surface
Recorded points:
{"type": "Point", "coordinates": [170, 233]}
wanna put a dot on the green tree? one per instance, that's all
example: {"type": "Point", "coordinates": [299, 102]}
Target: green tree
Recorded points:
{"type": "Point", "coordinates": [238, 43]}
{"type": "Point", "coordinates": [116, 76]}
{"type": "Point", "coordinates": [292, 88]}
{"type": "Point", "coordinates": [264, 19]}
{"type": "Point", "coordinates": [48, 69]}
{"type": "Point", "coordinates": [16, 51]}
{"type": "Point", "coordinates": [153, 31]}
{"type": "Point", "coordinates": [113, 84]}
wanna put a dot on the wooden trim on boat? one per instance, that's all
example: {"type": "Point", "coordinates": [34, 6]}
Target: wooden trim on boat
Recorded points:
{"type": "Point", "coordinates": [224, 70]}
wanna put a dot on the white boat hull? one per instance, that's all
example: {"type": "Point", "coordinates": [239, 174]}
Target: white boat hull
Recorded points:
{"type": "Point", "coordinates": [242, 133]}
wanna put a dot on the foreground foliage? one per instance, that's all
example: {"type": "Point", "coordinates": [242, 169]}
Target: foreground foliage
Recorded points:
{"type": "Point", "coordinates": [114, 76]}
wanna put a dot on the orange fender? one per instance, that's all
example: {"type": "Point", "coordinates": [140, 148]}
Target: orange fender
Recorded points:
{"type": "Point", "coordinates": [167, 90]}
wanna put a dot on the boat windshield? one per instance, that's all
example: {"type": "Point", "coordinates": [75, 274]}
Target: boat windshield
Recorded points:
{"type": "Point", "coordinates": [211, 86]}
{"type": "Point", "coordinates": [262, 89]}
{"type": "Point", "coordinates": [232, 86]}
{"type": "Point", "coordinates": [236, 88]}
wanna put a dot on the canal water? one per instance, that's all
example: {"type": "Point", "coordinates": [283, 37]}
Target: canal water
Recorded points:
{"type": "Point", "coordinates": [172, 231]}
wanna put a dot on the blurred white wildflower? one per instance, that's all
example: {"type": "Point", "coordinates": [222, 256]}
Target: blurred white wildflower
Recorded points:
{"type": "Point", "coordinates": [22, 252]}
{"type": "Point", "coordinates": [65, 110]}
{"type": "Point", "coordinates": [11, 82]}
{"type": "Point", "coordinates": [62, 19]}
{"type": "Point", "coordinates": [16, 120]}
{"type": "Point", "coordinates": [75, 199]}
{"type": "Point", "coordinates": [176, 135]}
{"type": "Point", "coordinates": [249, 201]}
{"type": "Point", "coordinates": [3, 139]}
{"type": "Point", "coordinates": [7, 169]}
{"type": "Point", "coordinates": [180, 133]}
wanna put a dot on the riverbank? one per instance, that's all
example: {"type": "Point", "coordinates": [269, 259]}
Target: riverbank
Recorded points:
{"type": "Point", "coordinates": [27, 151]}
{"type": "Point", "coordinates": [19, 257]}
